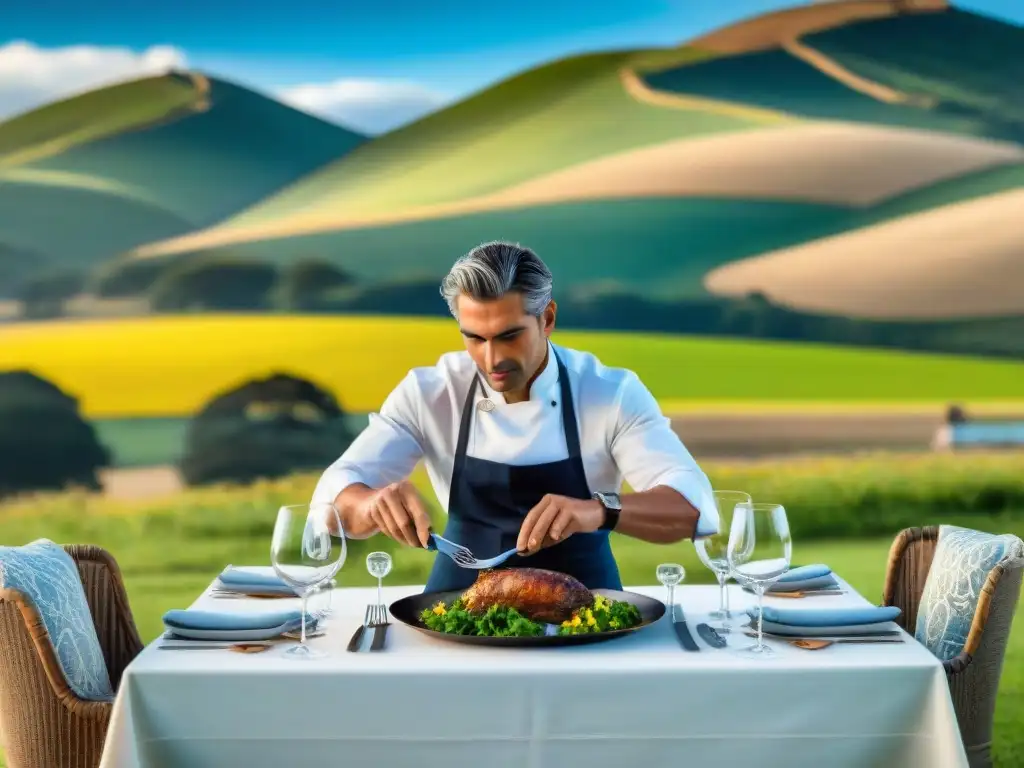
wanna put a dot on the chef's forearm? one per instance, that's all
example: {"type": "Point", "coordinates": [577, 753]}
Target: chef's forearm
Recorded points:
{"type": "Point", "coordinates": [660, 515]}
{"type": "Point", "coordinates": [351, 505]}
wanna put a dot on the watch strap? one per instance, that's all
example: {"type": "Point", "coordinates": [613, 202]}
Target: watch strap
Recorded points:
{"type": "Point", "coordinates": [611, 515]}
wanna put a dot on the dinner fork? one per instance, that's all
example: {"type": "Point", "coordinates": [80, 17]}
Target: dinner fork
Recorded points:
{"type": "Point", "coordinates": [462, 556]}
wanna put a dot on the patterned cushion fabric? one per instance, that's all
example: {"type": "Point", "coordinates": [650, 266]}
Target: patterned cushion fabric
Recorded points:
{"type": "Point", "coordinates": [963, 560]}
{"type": "Point", "coordinates": [47, 575]}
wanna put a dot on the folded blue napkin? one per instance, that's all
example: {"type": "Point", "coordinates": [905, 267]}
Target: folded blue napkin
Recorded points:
{"type": "Point", "coordinates": [804, 572]}
{"type": "Point", "coordinates": [827, 617]}
{"type": "Point", "coordinates": [230, 622]}
{"type": "Point", "coordinates": [245, 580]}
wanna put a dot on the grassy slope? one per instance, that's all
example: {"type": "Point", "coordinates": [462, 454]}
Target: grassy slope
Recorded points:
{"type": "Point", "coordinates": [968, 62]}
{"type": "Point", "coordinates": [103, 112]}
{"type": "Point", "coordinates": [146, 160]}
{"type": "Point", "coordinates": [547, 118]}
{"type": "Point", "coordinates": [76, 225]}
{"type": "Point", "coordinates": [576, 109]}
{"type": "Point", "coordinates": [985, 77]}
{"type": "Point", "coordinates": [16, 264]}
{"type": "Point", "coordinates": [171, 366]}
{"type": "Point", "coordinates": [677, 240]}
{"type": "Point", "coordinates": [217, 161]}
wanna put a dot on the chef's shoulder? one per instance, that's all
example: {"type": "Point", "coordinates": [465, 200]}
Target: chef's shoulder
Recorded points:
{"type": "Point", "coordinates": [435, 386]}
{"type": "Point", "coordinates": [600, 384]}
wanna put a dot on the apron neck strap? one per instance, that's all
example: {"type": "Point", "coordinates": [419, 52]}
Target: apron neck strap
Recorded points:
{"type": "Point", "coordinates": [572, 434]}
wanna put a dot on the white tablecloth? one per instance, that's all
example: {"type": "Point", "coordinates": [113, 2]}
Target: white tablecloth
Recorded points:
{"type": "Point", "coordinates": [635, 701]}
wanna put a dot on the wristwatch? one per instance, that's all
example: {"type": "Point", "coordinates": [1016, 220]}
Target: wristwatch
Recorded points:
{"type": "Point", "coordinates": [612, 506]}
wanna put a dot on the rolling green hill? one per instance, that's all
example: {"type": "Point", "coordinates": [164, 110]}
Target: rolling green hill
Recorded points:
{"type": "Point", "coordinates": [970, 64]}
{"type": "Point", "coordinates": [149, 159]}
{"type": "Point", "coordinates": [785, 129]}
{"type": "Point", "coordinates": [598, 243]}
{"type": "Point", "coordinates": [575, 110]}
{"type": "Point", "coordinates": [550, 117]}
{"type": "Point", "coordinates": [963, 74]}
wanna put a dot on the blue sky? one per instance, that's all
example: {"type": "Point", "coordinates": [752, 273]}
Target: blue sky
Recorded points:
{"type": "Point", "coordinates": [422, 51]}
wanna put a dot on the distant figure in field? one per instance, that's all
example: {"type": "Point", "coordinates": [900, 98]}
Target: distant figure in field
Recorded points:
{"type": "Point", "coordinates": [943, 439]}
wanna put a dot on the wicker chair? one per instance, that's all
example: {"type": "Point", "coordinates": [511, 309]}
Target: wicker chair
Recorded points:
{"type": "Point", "coordinates": [973, 675]}
{"type": "Point", "coordinates": [44, 725]}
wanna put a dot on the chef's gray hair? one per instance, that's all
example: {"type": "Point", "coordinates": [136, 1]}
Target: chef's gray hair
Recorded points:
{"type": "Point", "coordinates": [491, 270]}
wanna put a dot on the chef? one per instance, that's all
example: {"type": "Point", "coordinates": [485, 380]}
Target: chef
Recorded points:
{"type": "Point", "coordinates": [526, 443]}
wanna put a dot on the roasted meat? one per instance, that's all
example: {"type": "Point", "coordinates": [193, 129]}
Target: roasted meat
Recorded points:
{"type": "Point", "coordinates": [537, 594]}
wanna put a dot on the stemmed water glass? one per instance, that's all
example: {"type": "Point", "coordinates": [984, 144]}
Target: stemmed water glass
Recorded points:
{"type": "Point", "coordinates": [670, 574]}
{"type": "Point", "coordinates": [305, 557]}
{"type": "Point", "coordinates": [379, 565]}
{"type": "Point", "coordinates": [712, 551]}
{"type": "Point", "coordinates": [759, 552]}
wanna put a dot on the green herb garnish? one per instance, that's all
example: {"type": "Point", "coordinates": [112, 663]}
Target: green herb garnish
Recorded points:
{"type": "Point", "coordinates": [501, 621]}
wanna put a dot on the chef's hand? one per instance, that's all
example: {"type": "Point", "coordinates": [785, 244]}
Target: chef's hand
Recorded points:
{"type": "Point", "coordinates": [399, 513]}
{"type": "Point", "coordinates": [555, 519]}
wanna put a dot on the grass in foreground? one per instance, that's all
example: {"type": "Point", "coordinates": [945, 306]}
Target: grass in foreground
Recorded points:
{"type": "Point", "coordinates": [844, 512]}
{"type": "Point", "coordinates": [171, 366]}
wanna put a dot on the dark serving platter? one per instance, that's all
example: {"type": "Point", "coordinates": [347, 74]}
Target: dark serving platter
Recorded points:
{"type": "Point", "coordinates": [408, 610]}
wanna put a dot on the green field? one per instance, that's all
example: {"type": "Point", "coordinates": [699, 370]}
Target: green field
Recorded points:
{"type": "Point", "coordinates": [844, 513]}
{"type": "Point", "coordinates": [156, 442]}
{"type": "Point", "coordinates": [171, 366]}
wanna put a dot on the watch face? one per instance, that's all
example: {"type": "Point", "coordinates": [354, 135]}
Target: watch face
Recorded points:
{"type": "Point", "coordinates": [610, 500]}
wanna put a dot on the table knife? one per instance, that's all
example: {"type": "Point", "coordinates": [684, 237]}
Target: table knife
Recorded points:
{"type": "Point", "coordinates": [682, 631]}
{"type": "Point", "coordinates": [357, 639]}
{"type": "Point", "coordinates": [379, 633]}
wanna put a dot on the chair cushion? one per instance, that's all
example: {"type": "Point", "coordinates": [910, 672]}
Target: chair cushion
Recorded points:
{"type": "Point", "coordinates": [962, 562]}
{"type": "Point", "coordinates": [49, 578]}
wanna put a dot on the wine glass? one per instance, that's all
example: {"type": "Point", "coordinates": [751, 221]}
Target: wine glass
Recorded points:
{"type": "Point", "coordinates": [759, 552]}
{"type": "Point", "coordinates": [379, 565]}
{"type": "Point", "coordinates": [712, 551]}
{"type": "Point", "coordinates": [324, 609]}
{"type": "Point", "coordinates": [670, 574]}
{"type": "Point", "coordinates": [305, 557]}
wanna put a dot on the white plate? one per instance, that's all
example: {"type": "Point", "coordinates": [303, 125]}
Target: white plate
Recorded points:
{"type": "Point", "coordinates": [848, 629]}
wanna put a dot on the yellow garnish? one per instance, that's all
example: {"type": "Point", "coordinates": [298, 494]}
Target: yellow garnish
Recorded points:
{"type": "Point", "coordinates": [576, 621]}
{"type": "Point", "coordinates": [591, 621]}
{"type": "Point", "coordinates": [440, 610]}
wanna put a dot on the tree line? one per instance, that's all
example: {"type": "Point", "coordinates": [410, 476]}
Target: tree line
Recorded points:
{"type": "Point", "coordinates": [217, 282]}
{"type": "Point", "coordinates": [264, 429]}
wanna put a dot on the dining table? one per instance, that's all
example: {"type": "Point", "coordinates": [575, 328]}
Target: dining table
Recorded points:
{"type": "Point", "coordinates": [637, 700]}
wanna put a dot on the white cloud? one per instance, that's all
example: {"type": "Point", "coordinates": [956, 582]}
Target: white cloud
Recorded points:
{"type": "Point", "coordinates": [368, 106]}
{"type": "Point", "coordinates": [31, 76]}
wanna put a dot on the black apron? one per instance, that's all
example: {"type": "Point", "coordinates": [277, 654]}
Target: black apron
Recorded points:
{"type": "Point", "coordinates": [488, 502]}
